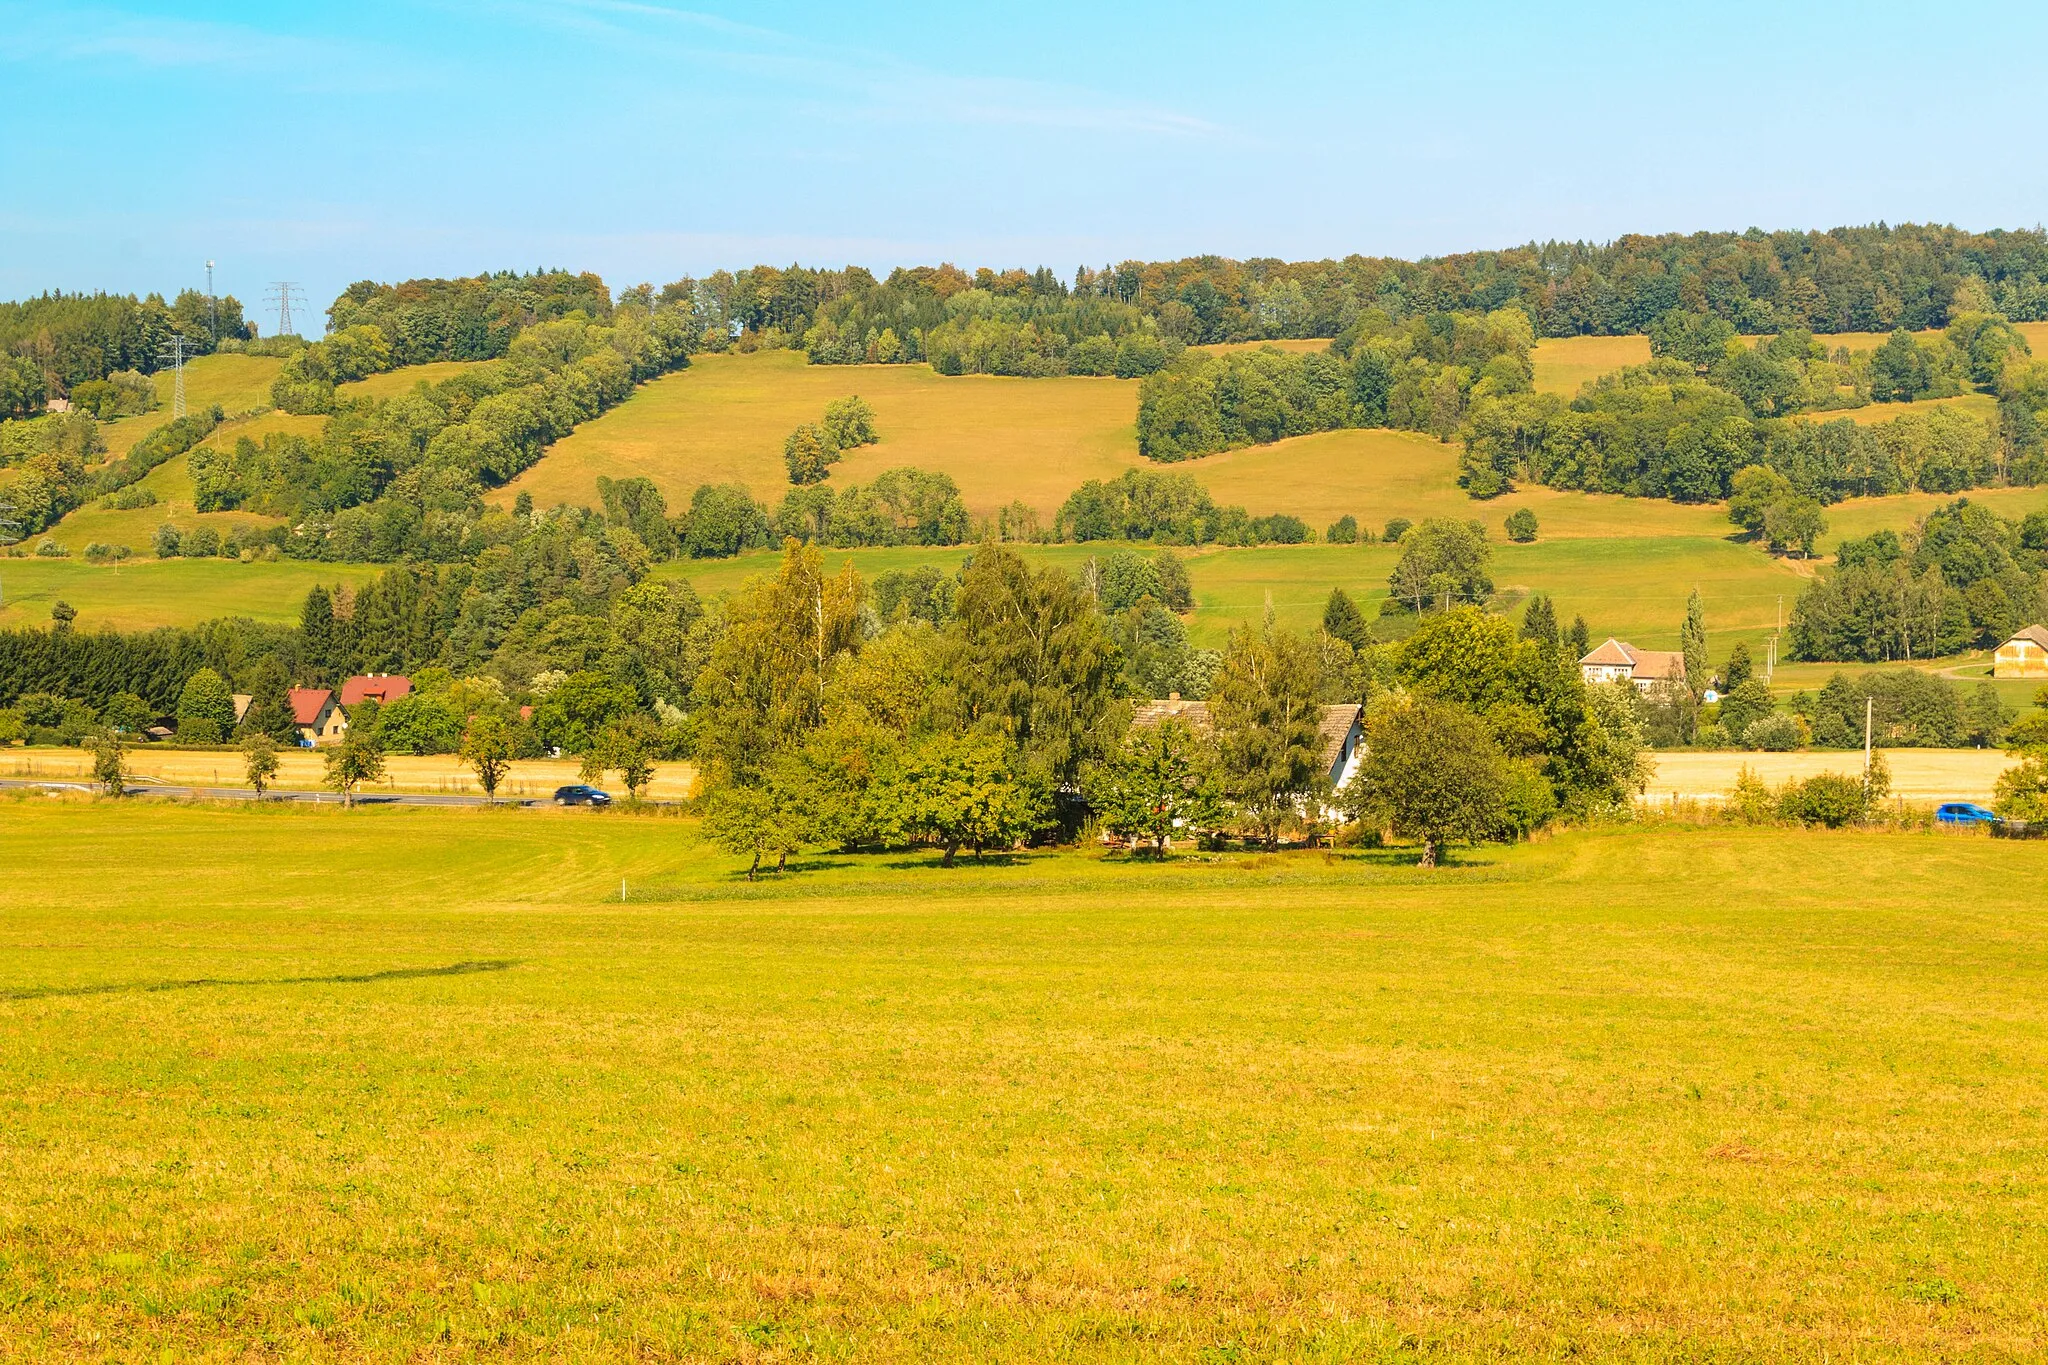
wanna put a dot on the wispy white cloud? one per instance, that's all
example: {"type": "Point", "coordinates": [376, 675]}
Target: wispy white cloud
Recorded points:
{"type": "Point", "coordinates": [109, 37]}
{"type": "Point", "coordinates": [873, 85]}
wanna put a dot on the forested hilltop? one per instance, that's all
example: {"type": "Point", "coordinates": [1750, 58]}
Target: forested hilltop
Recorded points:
{"type": "Point", "coordinates": [1852, 279]}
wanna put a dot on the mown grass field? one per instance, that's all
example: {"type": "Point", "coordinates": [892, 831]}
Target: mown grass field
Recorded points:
{"type": "Point", "coordinates": [416, 1084]}
{"type": "Point", "coordinates": [305, 770]}
{"type": "Point", "coordinates": [1920, 777]}
{"type": "Point", "coordinates": [725, 418]}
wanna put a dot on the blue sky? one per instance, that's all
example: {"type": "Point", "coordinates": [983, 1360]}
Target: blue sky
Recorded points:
{"type": "Point", "coordinates": [327, 143]}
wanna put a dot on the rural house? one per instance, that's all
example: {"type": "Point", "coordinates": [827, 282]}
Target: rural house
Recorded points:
{"type": "Point", "coordinates": [319, 720]}
{"type": "Point", "coordinates": [1614, 661]}
{"type": "Point", "coordinates": [243, 700]}
{"type": "Point", "coordinates": [2025, 655]}
{"type": "Point", "coordinates": [1343, 730]}
{"type": "Point", "coordinates": [382, 688]}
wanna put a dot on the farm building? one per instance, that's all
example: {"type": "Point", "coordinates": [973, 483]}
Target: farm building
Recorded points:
{"type": "Point", "coordinates": [382, 688]}
{"type": "Point", "coordinates": [1342, 730]}
{"type": "Point", "coordinates": [319, 720]}
{"type": "Point", "coordinates": [2025, 655]}
{"type": "Point", "coordinates": [1615, 661]}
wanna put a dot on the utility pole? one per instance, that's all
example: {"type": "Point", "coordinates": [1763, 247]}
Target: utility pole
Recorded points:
{"type": "Point", "coordinates": [1866, 742]}
{"type": "Point", "coordinates": [212, 308]}
{"type": "Point", "coordinates": [281, 296]}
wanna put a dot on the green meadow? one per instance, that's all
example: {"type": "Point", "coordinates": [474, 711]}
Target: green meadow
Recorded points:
{"type": "Point", "coordinates": [418, 1084]}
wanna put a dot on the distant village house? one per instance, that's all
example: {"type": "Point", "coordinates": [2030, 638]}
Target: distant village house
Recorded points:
{"type": "Point", "coordinates": [1615, 661]}
{"type": "Point", "coordinates": [320, 721]}
{"type": "Point", "coordinates": [382, 688]}
{"type": "Point", "coordinates": [1343, 730]}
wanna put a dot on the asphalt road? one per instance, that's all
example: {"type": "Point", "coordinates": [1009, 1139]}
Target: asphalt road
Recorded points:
{"type": "Point", "coordinates": [149, 787]}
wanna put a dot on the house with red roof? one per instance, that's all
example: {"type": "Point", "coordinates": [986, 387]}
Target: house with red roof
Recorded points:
{"type": "Point", "coordinates": [382, 688]}
{"type": "Point", "coordinates": [1615, 661]}
{"type": "Point", "coordinates": [320, 721]}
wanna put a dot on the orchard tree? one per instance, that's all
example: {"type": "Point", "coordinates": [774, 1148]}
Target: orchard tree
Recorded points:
{"type": "Point", "coordinates": [962, 790]}
{"type": "Point", "coordinates": [109, 761]}
{"type": "Point", "coordinates": [1162, 779]}
{"type": "Point", "coordinates": [259, 760]}
{"type": "Point", "coordinates": [487, 748]}
{"type": "Point", "coordinates": [1432, 773]}
{"type": "Point", "coordinates": [1268, 718]}
{"type": "Point", "coordinates": [354, 761]}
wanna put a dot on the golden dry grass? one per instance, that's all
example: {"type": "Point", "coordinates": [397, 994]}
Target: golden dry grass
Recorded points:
{"type": "Point", "coordinates": [725, 418]}
{"type": "Point", "coordinates": [1376, 475]}
{"type": "Point", "coordinates": [1976, 404]}
{"type": "Point", "coordinates": [1292, 345]}
{"type": "Point", "coordinates": [1564, 364]}
{"type": "Point", "coordinates": [1920, 776]}
{"type": "Point", "coordinates": [305, 770]}
{"type": "Point", "coordinates": [391, 383]}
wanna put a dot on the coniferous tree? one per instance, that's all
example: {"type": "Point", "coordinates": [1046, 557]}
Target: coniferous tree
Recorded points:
{"type": "Point", "coordinates": [1581, 638]}
{"type": "Point", "coordinates": [1539, 621]}
{"type": "Point", "coordinates": [1692, 639]}
{"type": "Point", "coordinates": [1342, 620]}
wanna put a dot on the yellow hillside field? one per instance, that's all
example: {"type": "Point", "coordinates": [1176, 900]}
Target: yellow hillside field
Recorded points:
{"type": "Point", "coordinates": [725, 418]}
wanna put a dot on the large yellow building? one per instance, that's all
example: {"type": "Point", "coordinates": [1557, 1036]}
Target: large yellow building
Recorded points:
{"type": "Point", "coordinates": [2025, 655]}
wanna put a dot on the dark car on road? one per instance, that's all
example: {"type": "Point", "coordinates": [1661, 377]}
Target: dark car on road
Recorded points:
{"type": "Point", "coordinates": [580, 795]}
{"type": "Point", "coordinates": [1964, 813]}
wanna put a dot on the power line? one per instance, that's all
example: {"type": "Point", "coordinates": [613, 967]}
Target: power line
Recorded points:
{"type": "Point", "coordinates": [173, 354]}
{"type": "Point", "coordinates": [281, 296]}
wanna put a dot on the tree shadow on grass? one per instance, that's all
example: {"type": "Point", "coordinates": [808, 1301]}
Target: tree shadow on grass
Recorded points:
{"type": "Point", "coordinates": [364, 978]}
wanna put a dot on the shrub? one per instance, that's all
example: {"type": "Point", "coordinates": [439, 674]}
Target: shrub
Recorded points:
{"type": "Point", "coordinates": [1343, 531]}
{"type": "Point", "coordinates": [50, 549]}
{"type": "Point", "coordinates": [128, 499]}
{"type": "Point", "coordinates": [1521, 526]}
{"type": "Point", "coordinates": [1829, 799]}
{"type": "Point", "coordinates": [1776, 733]}
{"type": "Point", "coordinates": [1396, 528]}
{"type": "Point", "coordinates": [166, 541]}
{"type": "Point", "coordinates": [201, 542]}
{"type": "Point", "coordinates": [96, 553]}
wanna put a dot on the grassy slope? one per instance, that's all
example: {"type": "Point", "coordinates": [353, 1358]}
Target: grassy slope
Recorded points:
{"type": "Point", "coordinates": [171, 481]}
{"type": "Point", "coordinates": [392, 383]}
{"type": "Point", "coordinates": [239, 383]}
{"type": "Point", "coordinates": [726, 416]}
{"type": "Point", "coordinates": [178, 592]}
{"type": "Point", "coordinates": [1613, 1096]}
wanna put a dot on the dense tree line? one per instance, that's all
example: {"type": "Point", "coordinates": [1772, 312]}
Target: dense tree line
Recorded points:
{"type": "Point", "coordinates": [472, 318]}
{"type": "Point", "coordinates": [1963, 577]}
{"type": "Point", "coordinates": [405, 477]}
{"type": "Point", "coordinates": [1711, 405]}
{"type": "Point", "coordinates": [54, 342]}
{"type": "Point", "coordinates": [1420, 375]}
{"type": "Point", "coordinates": [1850, 279]}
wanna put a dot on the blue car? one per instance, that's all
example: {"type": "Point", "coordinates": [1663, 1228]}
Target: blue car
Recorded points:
{"type": "Point", "coordinates": [1963, 813]}
{"type": "Point", "coordinates": [580, 795]}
